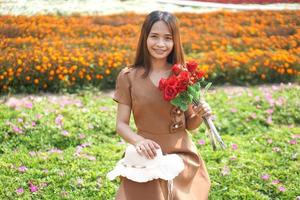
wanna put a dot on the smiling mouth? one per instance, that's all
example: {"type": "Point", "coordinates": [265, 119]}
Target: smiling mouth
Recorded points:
{"type": "Point", "coordinates": [159, 51]}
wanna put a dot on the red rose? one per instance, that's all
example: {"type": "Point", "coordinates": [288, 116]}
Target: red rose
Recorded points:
{"type": "Point", "coordinates": [176, 68]}
{"type": "Point", "coordinates": [183, 81]}
{"type": "Point", "coordinates": [191, 66]}
{"type": "Point", "coordinates": [170, 92]}
{"type": "Point", "coordinates": [199, 74]}
{"type": "Point", "coordinates": [162, 83]}
{"type": "Point", "coordinates": [172, 81]}
{"type": "Point", "coordinates": [193, 79]}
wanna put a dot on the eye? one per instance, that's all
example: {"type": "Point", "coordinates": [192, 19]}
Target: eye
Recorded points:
{"type": "Point", "coordinates": [154, 36]}
{"type": "Point", "coordinates": [168, 38]}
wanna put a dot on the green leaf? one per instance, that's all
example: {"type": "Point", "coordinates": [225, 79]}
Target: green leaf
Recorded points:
{"type": "Point", "coordinates": [208, 85]}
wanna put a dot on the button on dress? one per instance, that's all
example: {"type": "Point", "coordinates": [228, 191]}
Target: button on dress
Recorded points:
{"type": "Point", "coordinates": [160, 121]}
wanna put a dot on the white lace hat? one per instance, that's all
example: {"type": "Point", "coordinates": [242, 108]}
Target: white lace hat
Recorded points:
{"type": "Point", "coordinates": [140, 169]}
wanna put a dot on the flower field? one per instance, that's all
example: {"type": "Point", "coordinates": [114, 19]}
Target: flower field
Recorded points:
{"type": "Point", "coordinates": [62, 146]}
{"type": "Point", "coordinates": [54, 53]}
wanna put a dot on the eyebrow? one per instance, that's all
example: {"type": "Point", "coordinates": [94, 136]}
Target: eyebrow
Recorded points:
{"type": "Point", "coordinates": [158, 34]}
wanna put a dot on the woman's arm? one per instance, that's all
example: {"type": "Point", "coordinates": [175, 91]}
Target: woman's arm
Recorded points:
{"type": "Point", "coordinates": [122, 124]}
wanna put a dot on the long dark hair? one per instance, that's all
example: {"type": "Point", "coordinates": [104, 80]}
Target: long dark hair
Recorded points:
{"type": "Point", "coordinates": [142, 57]}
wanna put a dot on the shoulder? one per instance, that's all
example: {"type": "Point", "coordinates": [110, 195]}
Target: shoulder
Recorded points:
{"type": "Point", "coordinates": [126, 70]}
{"type": "Point", "coordinates": [132, 72]}
{"type": "Point", "coordinates": [126, 74]}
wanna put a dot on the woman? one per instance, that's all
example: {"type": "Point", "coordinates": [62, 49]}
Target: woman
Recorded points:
{"type": "Point", "coordinates": [159, 124]}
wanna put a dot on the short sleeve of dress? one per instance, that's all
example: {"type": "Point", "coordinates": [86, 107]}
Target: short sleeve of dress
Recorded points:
{"type": "Point", "coordinates": [122, 92]}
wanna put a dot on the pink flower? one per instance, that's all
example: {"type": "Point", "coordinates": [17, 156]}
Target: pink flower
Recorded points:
{"type": "Point", "coordinates": [296, 136]}
{"type": "Point", "coordinates": [233, 158]}
{"type": "Point", "coordinates": [233, 110]}
{"type": "Point", "coordinates": [269, 119]}
{"type": "Point", "coordinates": [276, 181]}
{"type": "Point", "coordinates": [104, 108]}
{"type": "Point", "coordinates": [33, 124]}
{"type": "Point", "coordinates": [292, 142]}
{"type": "Point", "coordinates": [270, 99]}
{"type": "Point", "coordinates": [20, 120]}
{"type": "Point", "coordinates": [58, 120]}
{"type": "Point", "coordinates": [28, 105]}
{"type": "Point", "coordinates": [85, 144]}
{"type": "Point", "coordinates": [20, 190]}
{"type": "Point", "coordinates": [257, 98]}
{"type": "Point", "coordinates": [269, 111]}
{"type": "Point", "coordinates": [270, 141]}
{"type": "Point", "coordinates": [234, 146]}
{"type": "Point", "coordinates": [22, 169]}
{"type": "Point", "coordinates": [65, 133]}
{"type": "Point", "coordinates": [225, 171]}
{"type": "Point", "coordinates": [201, 142]}
{"type": "Point", "coordinates": [55, 150]}
{"type": "Point", "coordinates": [32, 187]}
{"type": "Point", "coordinates": [90, 157]}
{"type": "Point", "coordinates": [281, 188]}
{"type": "Point", "coordinates": [78, 151]}
{"type": "Point", "coordinates": [265, 176]}
{"type": "Point", "coordinates": [38, 116]}
{"type": "Point", "coordinates": [280, 101]}
{"type": "Point", "coordinates": [81, 136]}
{"type": "Point", "coordinates": [274, 87]}
{"type": "Point", "coordinates": [17, 129]}
{"type": "Point", "coordinates": [32, 153]}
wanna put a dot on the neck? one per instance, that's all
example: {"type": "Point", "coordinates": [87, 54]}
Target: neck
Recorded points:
{"type": "Point", "coordinates": [159, 65]}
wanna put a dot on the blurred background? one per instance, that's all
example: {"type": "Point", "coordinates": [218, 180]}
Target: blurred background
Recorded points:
{"type": "Point", "coordinates": [58, 65]}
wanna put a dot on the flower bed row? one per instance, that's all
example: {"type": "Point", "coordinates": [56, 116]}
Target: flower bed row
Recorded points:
{"type": "Point", "coordinates": [51, 52]}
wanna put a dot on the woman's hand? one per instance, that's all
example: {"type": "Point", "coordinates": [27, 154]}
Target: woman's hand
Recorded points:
{"type": "Point", "coordinates": [147, 148]}
{"type": "Point", "coordinates": [203, 109]}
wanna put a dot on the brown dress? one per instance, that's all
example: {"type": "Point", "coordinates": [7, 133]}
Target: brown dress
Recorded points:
{"type": "Point", "coordinates": [158, 120]}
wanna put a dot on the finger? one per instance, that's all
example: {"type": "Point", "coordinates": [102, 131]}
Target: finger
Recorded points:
{"type": "Point", "coordinates": [207, 114]}
{"type": "Point", "coordinates": [197, 108]}
{"type": "Point", "coordinates": [156, 145]}
{"type": "Point", "coordinates": [149, 151]}
{"type": "Point", "coordinates": [206, 109]}
{"type": "Point", "coordinates": [200, 111]}
{"type": "Point", "coordinates": [144, 152]}
{"type": "Point", "coordinates": [153, 149]}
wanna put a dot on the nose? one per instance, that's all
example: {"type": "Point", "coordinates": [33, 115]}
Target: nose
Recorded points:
{"type": "Point", "coordinates": [160, 43]}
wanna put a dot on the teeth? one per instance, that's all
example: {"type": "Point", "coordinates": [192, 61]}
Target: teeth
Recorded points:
{"type": "Point", "coordinates": [158, 51]}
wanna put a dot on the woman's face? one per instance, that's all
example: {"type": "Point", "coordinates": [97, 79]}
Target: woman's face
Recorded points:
{"type": "Point", "coordinates": [160, 41]}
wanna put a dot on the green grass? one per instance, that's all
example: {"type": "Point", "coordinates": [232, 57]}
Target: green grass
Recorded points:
{"type": "Point", "coordinates": [74, 165]}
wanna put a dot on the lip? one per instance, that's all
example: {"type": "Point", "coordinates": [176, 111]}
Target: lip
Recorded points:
{"type": "Point", "coordinates": [159, 51]}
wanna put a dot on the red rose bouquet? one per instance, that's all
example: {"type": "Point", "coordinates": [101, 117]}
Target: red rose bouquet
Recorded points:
{"type": "Point", "coordinates": [183, 88]}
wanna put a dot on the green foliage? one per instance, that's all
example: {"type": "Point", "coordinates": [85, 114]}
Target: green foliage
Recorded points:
{"type": "Point", "coordinates": [74, 165]}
